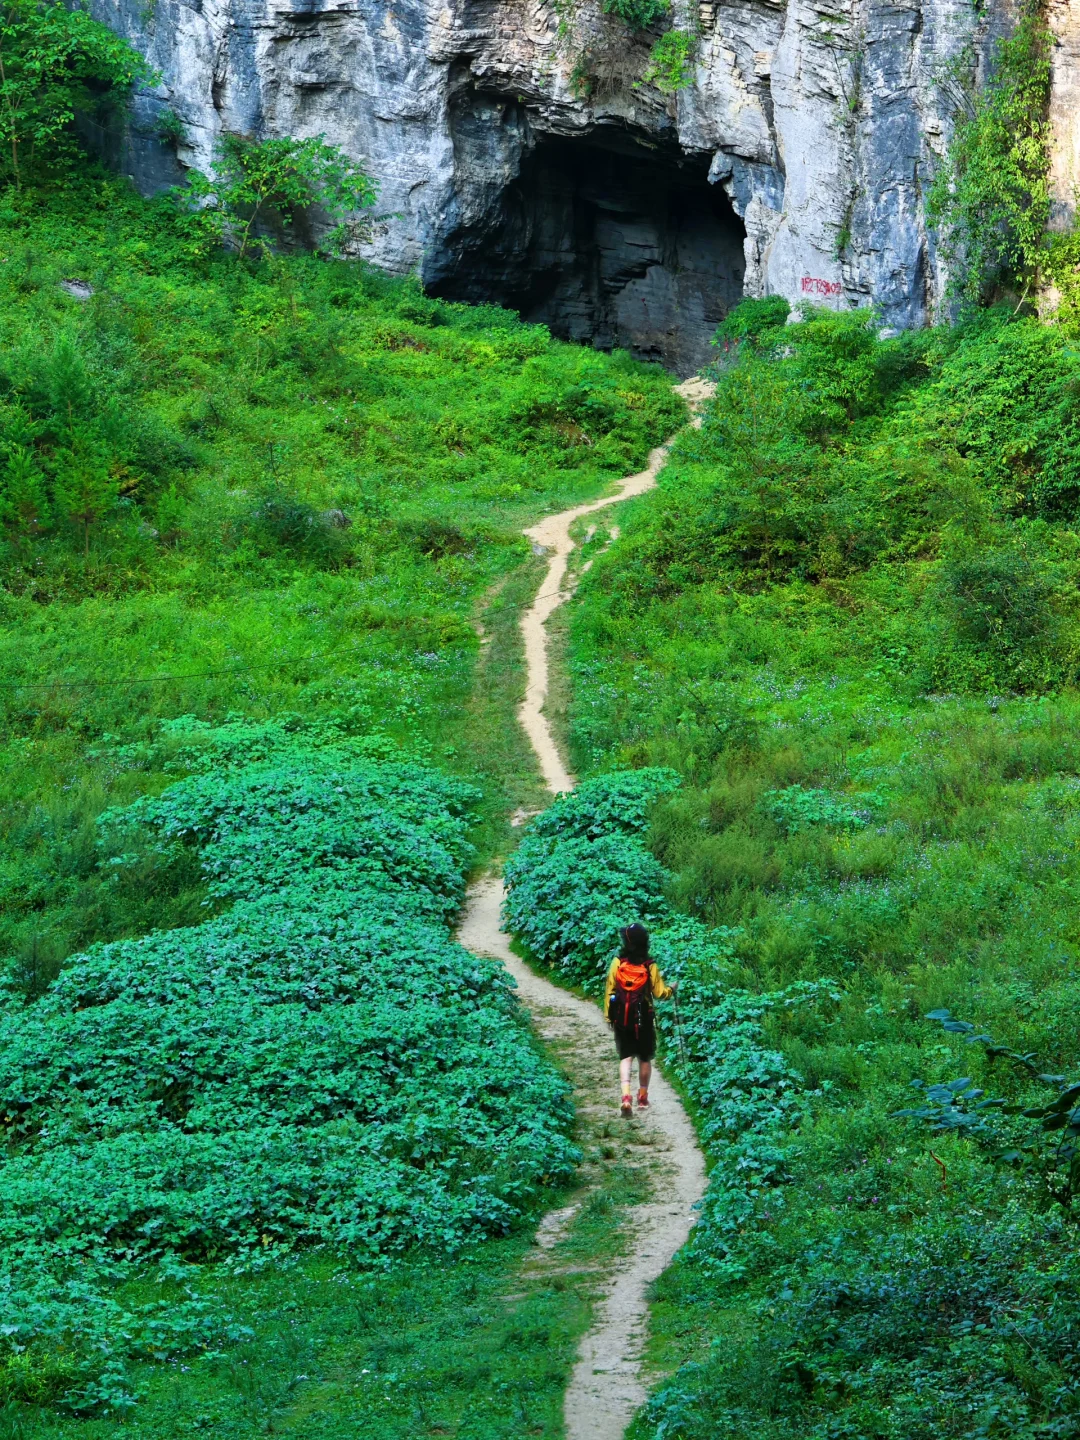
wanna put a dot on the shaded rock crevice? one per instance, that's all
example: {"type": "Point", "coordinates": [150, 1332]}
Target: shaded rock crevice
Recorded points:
{"type": "Point", "coordinates": [606, 238]}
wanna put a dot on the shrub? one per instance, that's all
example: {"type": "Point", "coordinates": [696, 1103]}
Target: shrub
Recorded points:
{"type": "Point", "coordinates": [670, 66]}
{"type": "Point", "coordinates": [616, 804]}
{"type": "Point", "coordinates": [581, 873]}
{"type": "Point", "coordinates": [254, 182]}
{"type": "Point", "coordinates": [991, 196]}
{"type": "Point", "coordinates": [1001, 604]}
{"type": "Point", "coordinates": [638, 14]}
{"type": "Point", "coordinates": [568, 900]}
{"type": "Point", "coordinates": [755, 323]}
{"type": "Point", "coordinates": [1001, 599]}
{"type": "Point", "coordinates": [73, 442]}
{"type": "Point", "coordinates": [318, 1064]}
{"type": "Point", "coordinates": [57, 63]}
{"type": "Point", "coordinates": [281, 520]}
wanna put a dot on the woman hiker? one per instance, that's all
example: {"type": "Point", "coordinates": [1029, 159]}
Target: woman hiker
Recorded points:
{"type": "Point", "coordinates": [633, 983]}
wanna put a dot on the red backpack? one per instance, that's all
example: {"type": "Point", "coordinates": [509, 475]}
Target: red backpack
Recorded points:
{"type": "Point", "coordinates": [631, 1000]}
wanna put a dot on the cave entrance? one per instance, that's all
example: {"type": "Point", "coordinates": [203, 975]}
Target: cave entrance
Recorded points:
{"type": "Point", "coordinates": [602, 238]}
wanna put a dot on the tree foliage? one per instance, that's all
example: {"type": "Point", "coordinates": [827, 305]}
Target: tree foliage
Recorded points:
{"type": "Point", "coordinates": [255, 183]}
{"type": "Point", "coordinates": [56, 62]}
{"type": "Point", "coordinates": [638, 14]}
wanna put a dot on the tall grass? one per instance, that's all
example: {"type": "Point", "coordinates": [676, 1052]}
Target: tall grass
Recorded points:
{"type": "Point", "coordinates": [864, 672]}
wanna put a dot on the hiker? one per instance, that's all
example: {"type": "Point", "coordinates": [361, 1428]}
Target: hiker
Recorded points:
{"type": "Point", "coordinates": [633, 983]}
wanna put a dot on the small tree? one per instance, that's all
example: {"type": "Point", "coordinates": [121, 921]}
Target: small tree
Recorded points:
{"type": "Point", "coordinates": [84, 491]}
{"type": "Point", "coordinates": [24, 506]}
{"type": "Point", "coordinates": [253, 180]}
{"type": "Point", "coordinates": [55, 63]}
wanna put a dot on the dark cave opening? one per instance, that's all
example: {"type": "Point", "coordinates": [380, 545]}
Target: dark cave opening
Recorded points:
{"type": "Point", "coordinates": [603, 238]}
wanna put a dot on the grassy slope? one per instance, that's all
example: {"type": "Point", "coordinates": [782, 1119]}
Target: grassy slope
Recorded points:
{"type": "Point", "coordinates": [430, 1348]}
{"type": "Point", "coordinates": [841, 1287]}
{"type": "Point", "coordinates": [440, 431]}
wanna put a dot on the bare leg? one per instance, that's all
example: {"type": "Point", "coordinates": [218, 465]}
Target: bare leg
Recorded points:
{"type": "Point", "coordinates": [626, 1070]}
{"type": "Point", "coordinates": [644, 1073]}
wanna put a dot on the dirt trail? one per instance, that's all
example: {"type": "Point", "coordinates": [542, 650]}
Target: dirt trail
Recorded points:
{"type": "Point", "coordinates": [606, 1386]}
{"type": "Point", "coordinates": [553, 535]}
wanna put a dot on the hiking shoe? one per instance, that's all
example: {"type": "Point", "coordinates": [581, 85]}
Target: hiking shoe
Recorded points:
{"type": "Point", "coordinates": [627, 1107]}
{"type": "Point", "coordinates": [643, 1099]}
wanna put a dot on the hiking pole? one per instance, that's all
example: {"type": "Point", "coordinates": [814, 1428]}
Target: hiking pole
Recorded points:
{"type": "Point", "coordinates": [678, 1022]}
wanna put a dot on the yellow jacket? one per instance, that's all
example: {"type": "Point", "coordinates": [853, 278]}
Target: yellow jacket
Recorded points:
{"type": "Point", "coordinates": [660, 990]}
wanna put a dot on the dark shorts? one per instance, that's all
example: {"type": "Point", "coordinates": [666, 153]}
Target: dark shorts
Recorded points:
{"type": "Point", "coordinates": [636, 1042]}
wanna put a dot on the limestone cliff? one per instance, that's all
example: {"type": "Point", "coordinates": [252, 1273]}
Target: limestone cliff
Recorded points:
{"type": "Point", "coordinates": [521, 159]}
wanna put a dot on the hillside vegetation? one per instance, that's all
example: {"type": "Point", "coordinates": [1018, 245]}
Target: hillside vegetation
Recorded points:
{"type": "Point", "coordinates": [846, 622]}
{"type": "Point", "coordinates": [301, 481]}
{"type": "Point", "coordinates": [274, 1143]}
{"type": "Point", "coordinates": [261, 569]}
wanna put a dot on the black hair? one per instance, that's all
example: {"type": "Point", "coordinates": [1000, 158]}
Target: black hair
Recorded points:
{"type": "Point", "coordinates": [635, 944]}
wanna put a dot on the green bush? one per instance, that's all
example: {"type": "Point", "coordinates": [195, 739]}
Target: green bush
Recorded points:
{"type": "Point", "coordinates": [319, 1064]}
{"type": "Point", "coordinates": [756, 323]}
{"type": "Point", "coordinates": [991, 196]}
{"type": "Point", "coordinates": [638, 14]}
{"type": "Point", "coordinates": [280, 520]}
{"type": "Point", "coordinates": [255, 184]}
{"type": "Point", "coordinates": [581, 873]}
{"type": "Point", "coordinates": [670, 66]}
{"type": "Point", "coordinates": [1002, 603]}
{"type": "Point", "coordinates": [59, 63]}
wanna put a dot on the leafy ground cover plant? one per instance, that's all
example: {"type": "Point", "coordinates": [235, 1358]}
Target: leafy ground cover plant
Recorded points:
{"type": "Point", "coordinates": [318, 1064]}
{"type": "Point", "coordinates": [581, 873]}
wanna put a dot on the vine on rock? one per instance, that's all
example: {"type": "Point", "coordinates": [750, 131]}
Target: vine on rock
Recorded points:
{"type": "Point", "coordinates": [638, 14]}
{"type": "Point", "coordinates": [991, 197]}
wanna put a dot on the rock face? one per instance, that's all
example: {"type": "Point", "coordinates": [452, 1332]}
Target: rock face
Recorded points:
{"type": "Point", "coordinates": [522, 159]}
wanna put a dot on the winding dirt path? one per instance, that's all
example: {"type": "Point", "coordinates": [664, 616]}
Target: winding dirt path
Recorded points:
{"type": "Point", "coordinates": [606, 1387]}
{"type": "Point", "coordinates": [553, 535]}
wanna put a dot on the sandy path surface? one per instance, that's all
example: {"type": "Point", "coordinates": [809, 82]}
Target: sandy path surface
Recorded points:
{"type": "Point", "coordinates": [606, 1387]}
{"type": "Point", "coordinates": [553, 535]}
